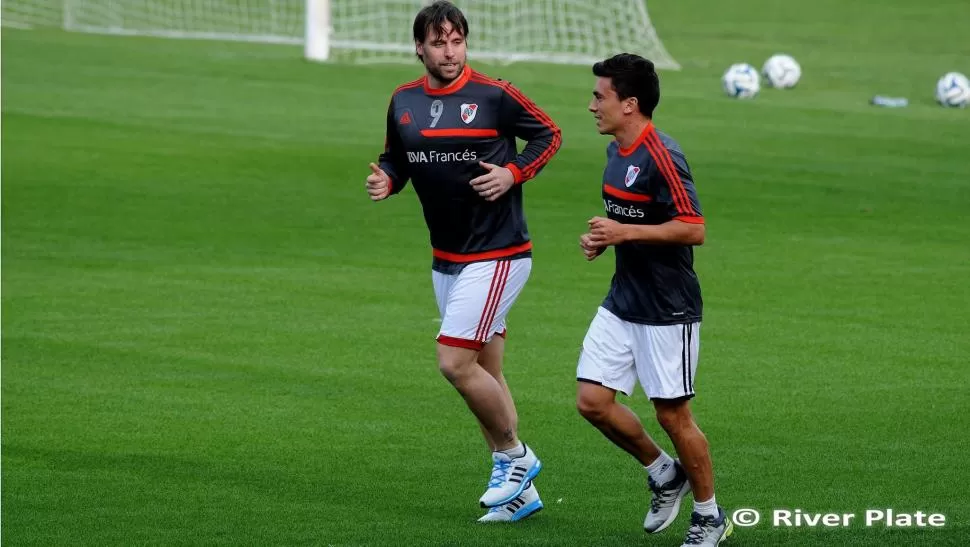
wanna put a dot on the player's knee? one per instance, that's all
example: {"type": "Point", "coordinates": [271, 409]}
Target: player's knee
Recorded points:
{"type": "Point", "coordinates": [454, 367]}
{"type": "Point", "coordinates": [674, 416]}
{"type": "Point", "coordinates": [593, 409]}
{"type": "Point", "coordinates": [451, 370]}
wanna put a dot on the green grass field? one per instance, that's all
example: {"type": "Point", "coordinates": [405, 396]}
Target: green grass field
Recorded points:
{"type": "Point", "coordinates": [211, 336]}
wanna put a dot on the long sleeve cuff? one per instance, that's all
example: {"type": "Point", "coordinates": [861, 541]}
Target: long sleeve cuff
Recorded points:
{"type": "Point", "coordinates": [516, 173]}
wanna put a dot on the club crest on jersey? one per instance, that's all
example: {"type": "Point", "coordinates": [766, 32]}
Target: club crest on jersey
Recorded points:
{"type": "Point", "coordinates": [631, 175]}
{"type": "Point", "coordinates": [468, 112]}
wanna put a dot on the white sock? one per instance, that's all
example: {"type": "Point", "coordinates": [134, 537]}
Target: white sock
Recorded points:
{"type": "Point", "coordinates": [516, 451]}
{"type": "Point", "coordinates": [662, 469]}
{"type": "Point", "coordinates": [706, 508]}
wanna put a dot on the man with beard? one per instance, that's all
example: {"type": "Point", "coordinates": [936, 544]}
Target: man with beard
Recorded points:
{"type": "Point", "coordinates": [452, 133]}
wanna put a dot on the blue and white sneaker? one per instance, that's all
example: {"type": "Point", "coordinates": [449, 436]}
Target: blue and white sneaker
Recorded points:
{"type": "Point", "coordinates": [665, 500]}
{"type": "Point", "coordinates": [527, 504]}
{"type": "Point", "coordinates": [509, 477]}
{"type": "Point", "coordinates": [708, 531]}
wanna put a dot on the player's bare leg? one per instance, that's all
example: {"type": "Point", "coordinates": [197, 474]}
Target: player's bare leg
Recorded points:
{"type": "Point", "coordinates": [691, 444]}
{"type": "Point", "coordinates": [514, 463]}
{"type": "Point", "coordinates": [485, 397]}
{"type": "Point", "coordinates": [617, 422]}
{"type": "Point", "coordinates": [528, 503]}
{"type": "Point", "coordinates": [666, 480]}
{"type": "Point", "coordinates": [490, 358]}
{"type": "Point", "coordinates": [709, 524]}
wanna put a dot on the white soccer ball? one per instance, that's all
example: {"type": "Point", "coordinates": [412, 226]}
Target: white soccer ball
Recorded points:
{"type": "Point", "coordinates": [741, 81]}
{"type": "Point", "coordinates": [781, 71]}
{"type": "Point", "coordinates": [953, 90]}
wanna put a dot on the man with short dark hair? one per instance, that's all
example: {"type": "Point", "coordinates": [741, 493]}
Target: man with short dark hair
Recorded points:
{"type": "Point", "coordinates": [452, 133]}
{"type": "Point", "coordinates": [648, 327]}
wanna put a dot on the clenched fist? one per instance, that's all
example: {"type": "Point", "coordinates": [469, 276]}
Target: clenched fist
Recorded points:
{"type": "Point", "coordinates": [590, 250]}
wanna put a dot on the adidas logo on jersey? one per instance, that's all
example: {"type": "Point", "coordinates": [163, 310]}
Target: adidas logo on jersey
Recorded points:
{"type": "Point", "coordinates": [405, 119]}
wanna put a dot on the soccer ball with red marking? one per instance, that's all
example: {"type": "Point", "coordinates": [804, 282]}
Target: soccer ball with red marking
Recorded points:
{"type": "Point", "coordinates": [741, 81]}
{"type": "Point", "coordinates": [781, 71]}
{"type": "Point", "coordinates": [953, 90]}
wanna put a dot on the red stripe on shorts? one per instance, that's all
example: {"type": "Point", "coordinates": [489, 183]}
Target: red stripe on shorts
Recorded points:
{"type": "Point", "coordinates": [488, 300]}
{"type": "Point", "coordinates": [507, 267]}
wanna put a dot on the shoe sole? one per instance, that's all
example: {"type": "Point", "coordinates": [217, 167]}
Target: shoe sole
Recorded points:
{"type": "Point", "coordinates": [674, 512]}
{"type": "Point", "coordinates": [527, 511]}
{"type": "Point", "coordinates": [523, 513]}
{"type": "Point", "coordinates": [531, 474]}
{"type": "Point", "coordinates": [727, 531]}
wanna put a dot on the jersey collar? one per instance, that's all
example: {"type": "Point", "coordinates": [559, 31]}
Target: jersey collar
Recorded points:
{"type": "Point", "coordinates": [636, 144]}
{"type": "Point", "coordinates": [459, 83]}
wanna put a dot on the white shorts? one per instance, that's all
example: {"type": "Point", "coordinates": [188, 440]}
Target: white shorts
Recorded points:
{"type": "Point", "coordinates": [474, 303]}
{"type": "Point", "coordinates": [663, 357]}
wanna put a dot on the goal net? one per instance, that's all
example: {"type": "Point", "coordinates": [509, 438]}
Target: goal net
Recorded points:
{"type": "Point", "coordinates": [556, 31]}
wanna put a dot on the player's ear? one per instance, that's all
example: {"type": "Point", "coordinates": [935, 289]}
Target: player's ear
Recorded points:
{"type": "Point", "coordinates": [419, 49]}
{"type": "Point", "coordinates": [630, 105]}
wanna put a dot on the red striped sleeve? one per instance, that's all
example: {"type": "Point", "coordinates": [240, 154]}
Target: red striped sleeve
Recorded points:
{"type": "Point", "coordinates": [532, 168]}
{"type": "Point", "coordinates": [662, 157]}
{"type": "Point", "coordinates": [690, 219]}
{"type": "Point", "coordinates": [516, 173]}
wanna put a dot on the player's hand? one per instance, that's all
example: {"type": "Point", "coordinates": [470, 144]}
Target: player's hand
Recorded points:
{"type": "Point", "coordinates": [494, 183]}
{"type": "Point", "coordinates": [590, 250]}
{"type": "Point", "coordinates": [604, 232]}
{"type": "Point", "coordinates": [378, 183]}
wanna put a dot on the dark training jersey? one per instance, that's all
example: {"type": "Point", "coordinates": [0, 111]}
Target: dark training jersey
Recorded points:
{"type": "Point", "coordinates": [435, 139]}
{"type": "Point", "coordinates": [650, 183]}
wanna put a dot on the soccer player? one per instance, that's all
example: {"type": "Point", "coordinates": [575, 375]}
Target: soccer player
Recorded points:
{"type": "Point", "coordinates": [452, 133]}
{"type": "Point", "coordinates": [648, 327]}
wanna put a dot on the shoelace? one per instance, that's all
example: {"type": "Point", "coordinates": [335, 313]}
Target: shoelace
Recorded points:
{"type": "Point", "coordinates": [698, 530]}
{"type": "Point", "coordinates": [660, 497]}
{"type": "Point", "coordinates": [499, 471]}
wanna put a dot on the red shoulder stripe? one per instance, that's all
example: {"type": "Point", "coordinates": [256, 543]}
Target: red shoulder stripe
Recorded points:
{"type": "Point", "coordinates": [672, 169]}
{"type": "Point", "coordinates": [675, 192]}
{"type": "Point", "coordinates": [666, 165]}
{"type": "Point", "coordinates": [518, 96]}
{"type": "Point", "coordinates": [408, 85]}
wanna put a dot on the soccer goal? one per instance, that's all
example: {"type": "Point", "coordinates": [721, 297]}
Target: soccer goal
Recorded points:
{"type": "Point", "coordinates": [550, 31]}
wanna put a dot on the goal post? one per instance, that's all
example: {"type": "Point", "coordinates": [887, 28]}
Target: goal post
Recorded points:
{"type": "Point", "coordinates": [506, 31]}
{"type": "Point", "coordinates": [316, 43]}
